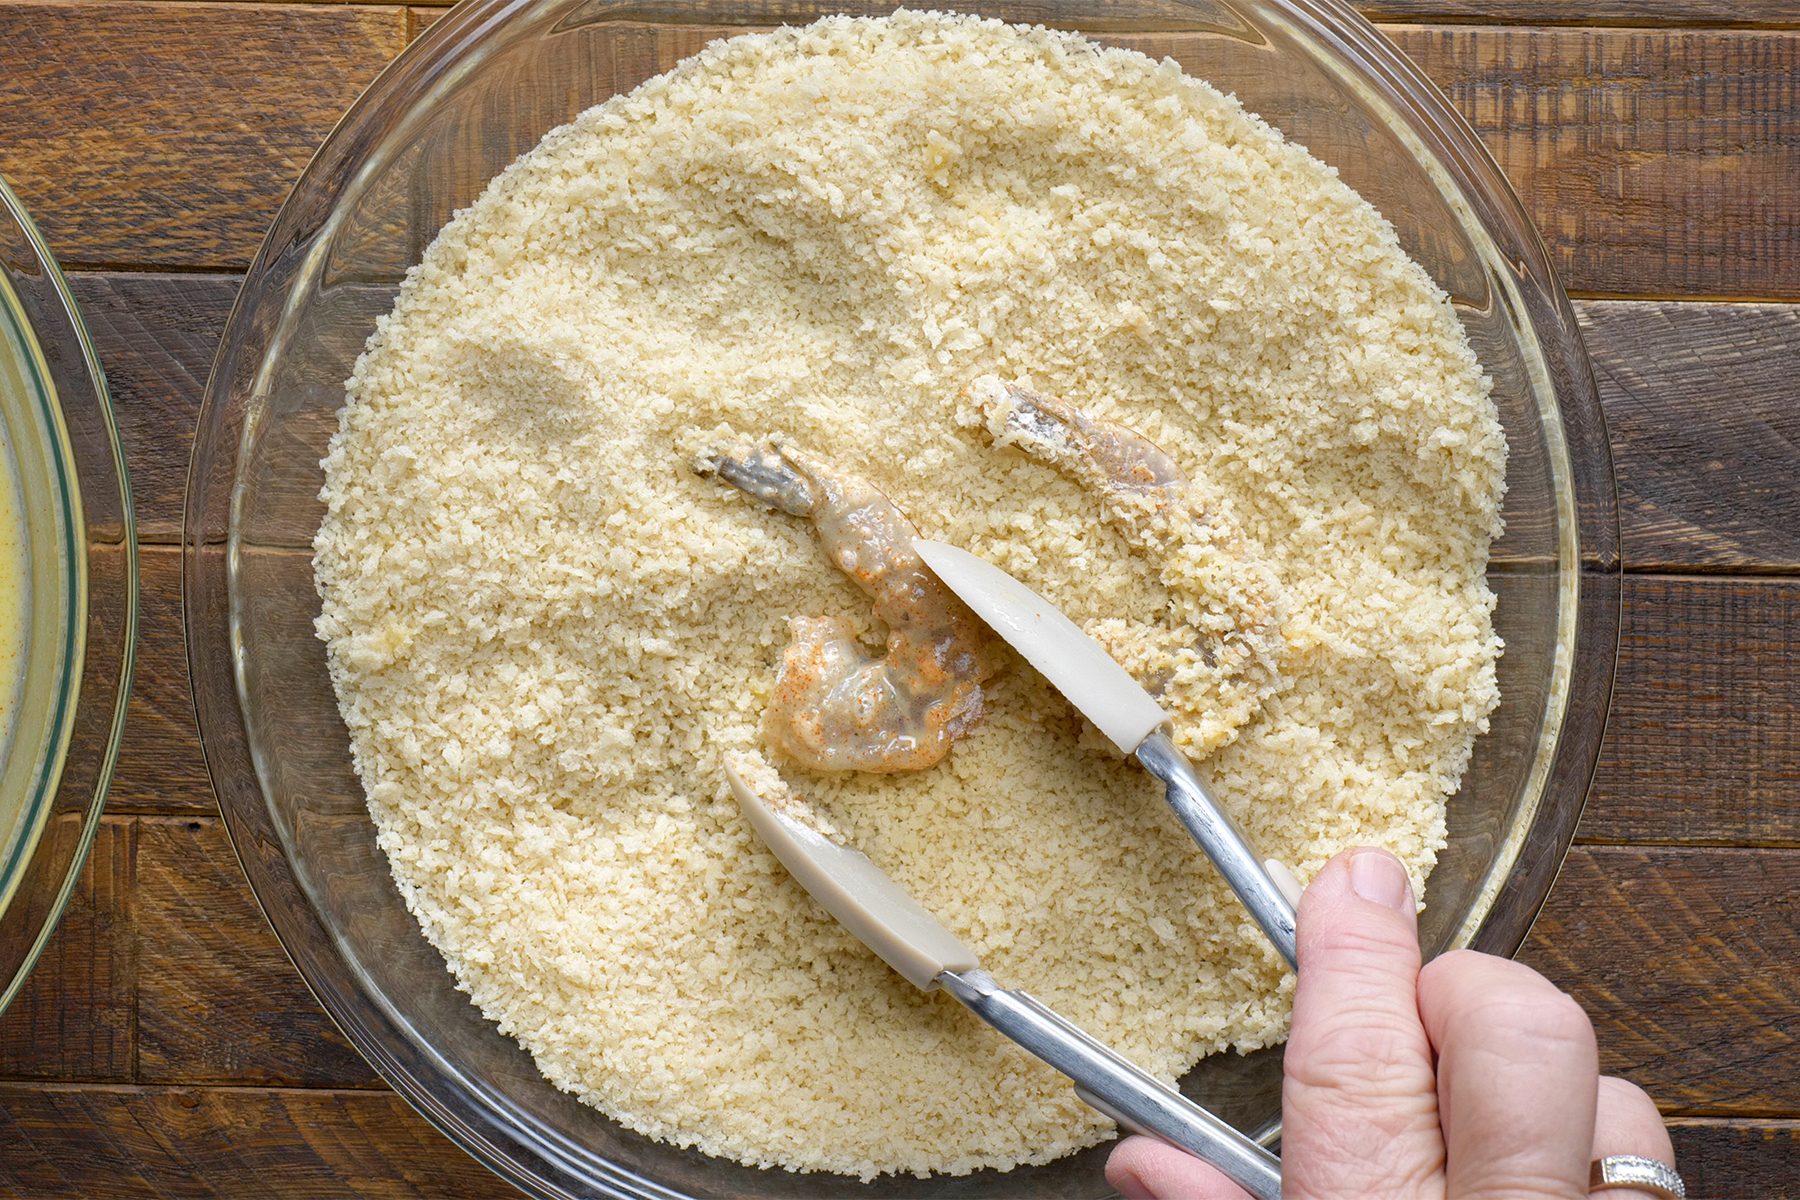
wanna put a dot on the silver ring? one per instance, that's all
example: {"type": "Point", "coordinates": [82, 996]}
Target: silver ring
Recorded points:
{"type": "Point", "coordinates": [1633, 1171]}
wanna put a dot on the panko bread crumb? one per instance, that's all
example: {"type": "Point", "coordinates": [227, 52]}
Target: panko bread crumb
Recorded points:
{"type": "Point", "coordinates": [545, 630]}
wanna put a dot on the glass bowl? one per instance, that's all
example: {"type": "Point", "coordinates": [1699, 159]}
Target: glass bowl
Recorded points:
{"type": "Point", "coordinates": [484, 84]}
{"type": "Point", "coordinates": [68, 594]}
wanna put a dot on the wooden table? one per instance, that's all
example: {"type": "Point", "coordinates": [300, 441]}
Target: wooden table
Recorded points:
{"type": "Point", "coordinates": [165, 1046]}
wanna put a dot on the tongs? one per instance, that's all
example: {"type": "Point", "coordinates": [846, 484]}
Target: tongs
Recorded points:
{"type": "Point", "coordinates": [909, 939]}
{"type": "Point", "coordinates": [890, 922]}
{"type": "Point", "coordinates": [1107, 695]}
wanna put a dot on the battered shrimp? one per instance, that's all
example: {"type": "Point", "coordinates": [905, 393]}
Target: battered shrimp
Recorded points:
{"type": "Point", "coordinates": [1218, 657]}
{"type": "Point", "coordinates": [836, 707]}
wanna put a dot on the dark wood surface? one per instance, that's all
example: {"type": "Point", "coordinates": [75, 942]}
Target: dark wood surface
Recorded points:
{"type": "Point", "coordinates": [166, 1047]}
{"type": "Point", "coordinates": [1654, 161]}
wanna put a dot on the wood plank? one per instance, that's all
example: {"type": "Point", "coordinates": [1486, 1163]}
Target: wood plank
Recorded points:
{"type": "Point", "coordinates": [1703, 744]}
{"type": "Point", "coordinates": [1684, 959]}
{"type": "Point", "coordinates": [1723, 1159]}
{"type": "Point", "coordinates": [167, 134]}
{"type": "Point", "coordinates": [218, 1000]}
{"type": "Point", "coordinates": [419, 19]}
{"type": "Point", "coordinates": [1700, 410]}
{"type": "Point", "coordinates": [1779, 14]}
{"type": "Point", "coordinates": [1682, 956]}
{"type": "Point", "coordinates": [1652, 161]}
{"type": "Point", "coordinates": [1150, 15]}
{"type": "Point", "coordinates": [1659, 162]}
{"type": "Point", "coordinates": [1711, 695]}
{"type": "Point", "coordinates": [161, 768]}
{"type": "Point", "coordinates": [126, 1142]}
{"type": "Point", "coordinates": [1163, 15]}
{"type": "Point", "coordinates": [1706, 439]}
{"type": "Point", "coordinates": [155, 335]}
{"type": "Point", "coordinates": [100, 1143]}
{"type": "Point", "coordinates": [75, 1017]}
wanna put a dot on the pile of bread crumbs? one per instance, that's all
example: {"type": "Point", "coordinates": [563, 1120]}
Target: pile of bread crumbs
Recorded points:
{"type": "Point", "coordinates": [545, 630]}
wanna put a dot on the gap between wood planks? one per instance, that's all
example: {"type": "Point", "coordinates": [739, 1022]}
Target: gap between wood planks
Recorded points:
{"type": "Point", "coordinates": [221, 1089]}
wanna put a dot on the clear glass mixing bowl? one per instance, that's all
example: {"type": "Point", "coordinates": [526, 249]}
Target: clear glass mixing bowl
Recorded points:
{"type": "Point", "coordinates": [484, 84]}
{"type": "Point", "coordinates": [75, 580]}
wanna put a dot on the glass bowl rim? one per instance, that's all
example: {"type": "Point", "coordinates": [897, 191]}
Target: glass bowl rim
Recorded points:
{"type": "Point", "coordinates": [442, 54]}
{"type": "Point", "coordinates": [85, 362]}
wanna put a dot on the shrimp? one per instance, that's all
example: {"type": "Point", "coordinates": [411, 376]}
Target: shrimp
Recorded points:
{"type": "Point", "coordinates": [1219, 657]}
{"type": "Point", "coordinates": [836, 707]}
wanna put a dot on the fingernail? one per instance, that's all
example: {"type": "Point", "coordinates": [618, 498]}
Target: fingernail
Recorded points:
{"type": "Point", "coordinates": [1131, 1187]}
{"type": "Point", "coordinates": [1377, 876]}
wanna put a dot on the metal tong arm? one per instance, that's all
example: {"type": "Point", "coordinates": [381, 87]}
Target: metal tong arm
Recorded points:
{"type": "Point", "coordinates": [1222, 840]}
{"type": "Point", "coordinates": [1137, 1101]}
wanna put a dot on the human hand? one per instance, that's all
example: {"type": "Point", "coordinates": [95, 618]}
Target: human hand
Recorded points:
{"type": "Point", "coordinates": [1474, 1078]}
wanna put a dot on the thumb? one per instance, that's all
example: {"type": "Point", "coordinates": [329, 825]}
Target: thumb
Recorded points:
{"type": "Point", "coordinates": [1359, 1102]}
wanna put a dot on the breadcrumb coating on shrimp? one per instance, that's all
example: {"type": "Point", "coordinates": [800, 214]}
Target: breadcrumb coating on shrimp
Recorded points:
{"type": "Point", "coordinates": [1216, 656]}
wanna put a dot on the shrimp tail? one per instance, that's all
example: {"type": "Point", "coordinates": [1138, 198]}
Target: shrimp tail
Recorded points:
{"type": "Point", "coordinates": [764, 474]}
{"type": "Point", "coordinates": [1101, 455]}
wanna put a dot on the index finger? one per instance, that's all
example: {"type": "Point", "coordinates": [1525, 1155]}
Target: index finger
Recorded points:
{"type": "Point", "coordinates": [1517, 1078]}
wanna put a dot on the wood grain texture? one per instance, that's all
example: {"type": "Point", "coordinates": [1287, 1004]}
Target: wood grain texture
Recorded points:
{"type": "Point", "coordinates": [167, 134]}
{"type": "Point", "coordinates": [161, 768]}
{"type": "Point", "coordinates": [1663, 14]}
{"type": "Point", "coordinates": [101, 1143]}
{"type": "Point", "coordinates": [1704, 739]}
{"type": "Point", "coordinates": [125, 1142]}
{"type": "Point", "coordinates": [1698, 402]}
{"type": "Point", "coordinates": [1683, 956]}
{"type": "Point", "coordinates": [1659, 162]}
{"type": "Point", "coordinates": [1737, 1159]}
{"type": "Point", "coordinates": [1648, 13]}
{"type": "Point", "coordinates": [75, 1017]}
{"type": "Point", "coordinates": [1703, 744]}
{"type": "Point", "coordinates": [1700, 409]}
{"type": "Point", "coordinates": [1684, 959]}
{"type": "Point", "coordinates": [155, 335]}
{"type": "Point", "coordinates": [218, 1000]}
{"type": "Point", "coordinates": [1652, 161]}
